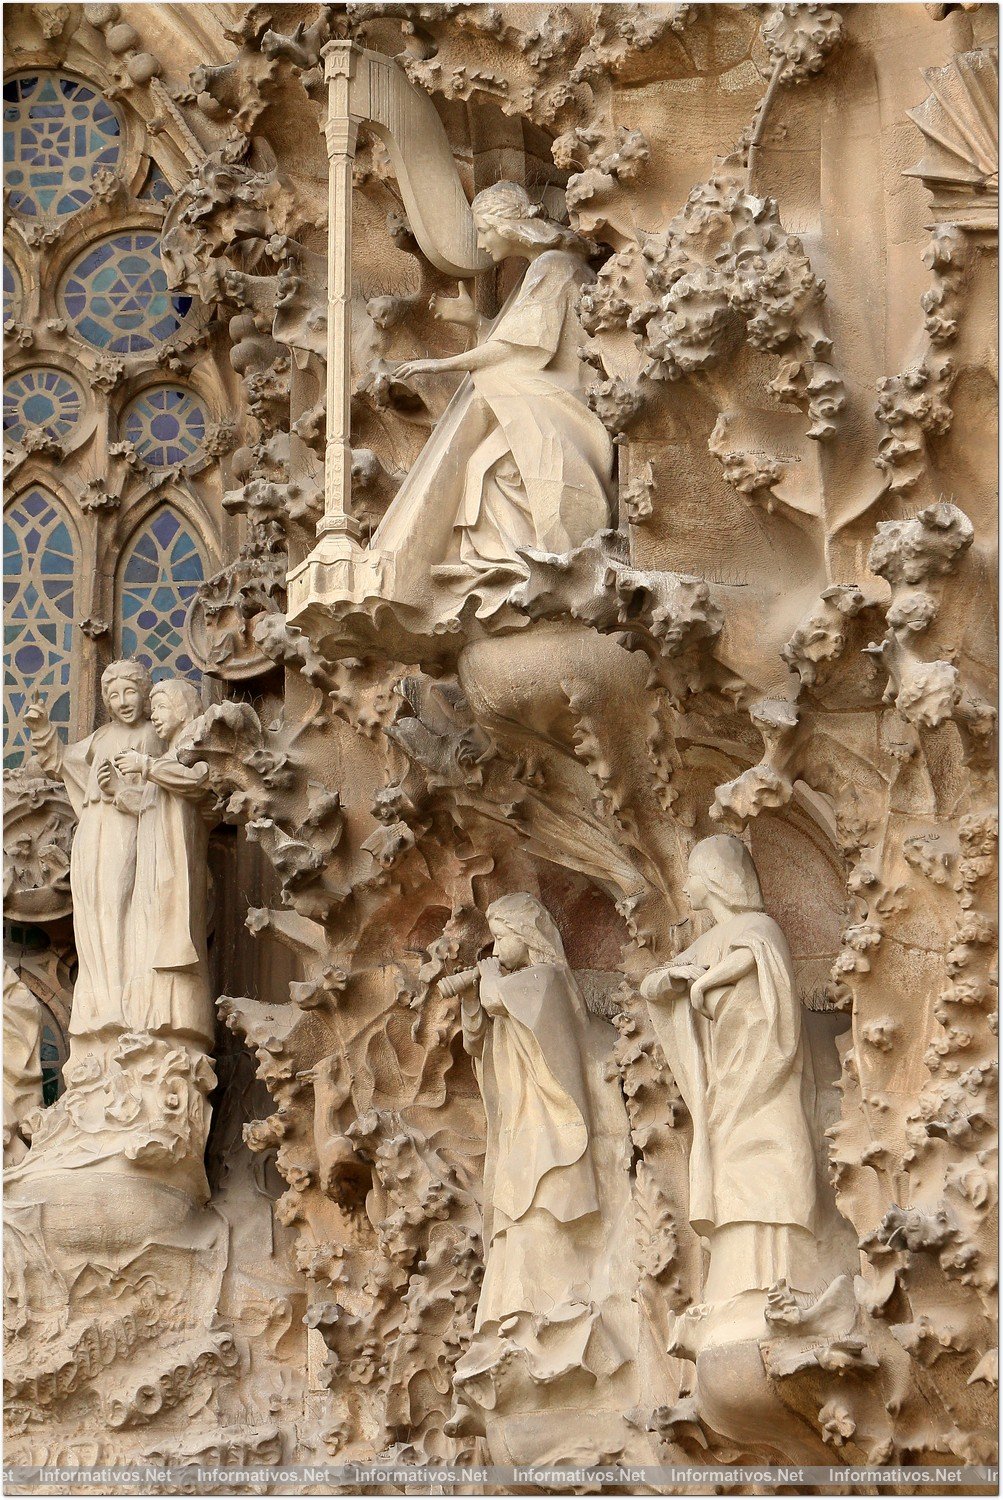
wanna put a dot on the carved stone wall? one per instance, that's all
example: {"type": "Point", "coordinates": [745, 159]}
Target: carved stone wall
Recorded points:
{"type": "Point", "coordinates": [622, 615]}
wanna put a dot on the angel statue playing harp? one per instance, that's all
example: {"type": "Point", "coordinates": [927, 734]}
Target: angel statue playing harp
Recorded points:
{"type": "Point", "coordinates": [518, 459]}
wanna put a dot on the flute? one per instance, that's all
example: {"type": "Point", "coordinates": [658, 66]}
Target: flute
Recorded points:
{"type": "Point", "coordinates": [458, 984]}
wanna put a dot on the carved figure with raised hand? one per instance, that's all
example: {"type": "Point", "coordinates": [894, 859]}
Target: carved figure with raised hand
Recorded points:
{"type": "Point", "coordinates": [728, 1018]}
{"type": "Point", "coordinates": [518, 459]}
{"type": "Point", "coordinates": [103, 857]}
{"type": "Point", "coordinates": [555, 1301]}
{"type": "Point", "coordinates": [168, 986]}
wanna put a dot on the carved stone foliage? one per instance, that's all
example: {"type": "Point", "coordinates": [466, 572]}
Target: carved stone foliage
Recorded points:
{"type": "Point", "coordinates": [38, 831]}
{"type": "Point", "coordinates": [599, 744]}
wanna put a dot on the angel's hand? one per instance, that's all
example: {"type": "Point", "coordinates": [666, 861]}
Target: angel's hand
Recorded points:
{"type": "Point", "coordinates": [129, 761]}
{"type": "Point", "coordinates": [684, 974]}
{"type": "Point", "coordinates": [410, 367]}
{"type": "Point", "coordinates": [459, 309]}
{"type": "Point", "coordinates": [698, 999]}
{"type": "Point", "coordinates": [36, 714]}
{"type": "Point", "coordinates": [658, 985]}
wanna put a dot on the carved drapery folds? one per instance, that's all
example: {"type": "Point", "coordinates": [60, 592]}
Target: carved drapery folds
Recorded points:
{"type": "Point", "coordinates": [603, 744]}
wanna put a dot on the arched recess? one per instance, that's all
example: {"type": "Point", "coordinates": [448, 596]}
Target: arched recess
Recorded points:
{"type": "Point", "coordinates": [41, 580]}
{"type": "Point", "coordinates": [161, 567]}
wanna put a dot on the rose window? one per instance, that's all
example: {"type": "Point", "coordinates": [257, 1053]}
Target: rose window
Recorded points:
{"type": "Point", "coordinates": [58, 134]}
{"type": "Point", "coordinates": [115, 295]}
{"type": "Point", "coordinates": [166, 426]}
{"type": "Point", "coordinates": [42, 400]}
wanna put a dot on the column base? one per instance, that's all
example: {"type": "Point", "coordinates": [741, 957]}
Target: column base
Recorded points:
{"type": "Point", "coordinates": [338, 571]}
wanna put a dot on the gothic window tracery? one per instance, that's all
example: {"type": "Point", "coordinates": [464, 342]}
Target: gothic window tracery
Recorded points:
{"type": "Point", "coordinates": [116, 296]}
{"type": "Point", "coordinates": [42, 400]}
{"type": "Point", "coordinates": [166, 425]}
{"type": "Point", "coordinates": [38, 613]}
{"type": "Point", "coordinates": [58, 134]}
{"type": "Point", "coordinates": [161, 571]}
{"type": "Point", "coordinates": [76, 585]}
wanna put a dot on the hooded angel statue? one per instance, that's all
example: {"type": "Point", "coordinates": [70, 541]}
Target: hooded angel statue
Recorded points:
{"type": "Point", "coordinates": [738, 1055]}
{"type": "Point", "coordinates": [555, 1307]}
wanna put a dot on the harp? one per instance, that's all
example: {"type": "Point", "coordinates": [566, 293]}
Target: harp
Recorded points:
{"type": "Point", "coordinates": [367, 88]}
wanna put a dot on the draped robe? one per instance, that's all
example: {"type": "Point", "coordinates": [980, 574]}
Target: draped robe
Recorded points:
{"type": "Point", "coordinates": [748, 1086]}
{"type": "Point", "coordinates": [102, 866]}
{"type": "Point", "coordinates": [516, 460]}
{"type": "Point", "coordinates": [169, 989]}
{"type": "Point", "coordinates": [539, 1178]}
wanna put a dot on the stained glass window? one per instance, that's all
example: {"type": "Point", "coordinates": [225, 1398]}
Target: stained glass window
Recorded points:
{"type": "Point", "coordinates": [38, 614]}
{"type": "Point", "coordinates": [166, 426]}
{"type": "Point", "coordinates": [11, 292]}
{"type": "Point", "coordinates": [115, 295]}
{"type": "Point", "coordinates": [51, 1058]}
{"type": "Point", "coordinates": [163, 568]}
{"type": "Point", "coordinates": [42, 398]}
{"type": "Point", "coordinates": [57, 134]}
{"type": "Point", "coordinates": [156, 188]}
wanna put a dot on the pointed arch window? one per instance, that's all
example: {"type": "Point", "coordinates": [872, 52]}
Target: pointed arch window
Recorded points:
{"type": "Point", "coordinates": [161, 572]}
{"type": "Point", "coordinates": [38, 614]}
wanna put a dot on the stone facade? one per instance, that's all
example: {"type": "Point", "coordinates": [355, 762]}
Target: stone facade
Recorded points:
{"type": "Point", "coordinates": [501, 499]}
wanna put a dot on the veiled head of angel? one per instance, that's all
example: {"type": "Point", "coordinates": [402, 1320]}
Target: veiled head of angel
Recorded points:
{"type": "Point", "coordinates": [523, 932]}
{"type": "Point", "coordinates": [721, 870]}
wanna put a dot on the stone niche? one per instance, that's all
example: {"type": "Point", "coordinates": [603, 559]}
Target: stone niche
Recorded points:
{"type": "Point", "coordinates": [501, 822]}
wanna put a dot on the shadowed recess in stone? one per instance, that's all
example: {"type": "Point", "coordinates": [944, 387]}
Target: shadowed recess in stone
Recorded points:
{"type": "Point", "coordinates": [12, 292]}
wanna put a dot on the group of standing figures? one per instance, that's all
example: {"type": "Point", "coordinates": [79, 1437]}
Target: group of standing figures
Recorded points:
{"type": "Point", "coordinates": [728, 1018]}
{"type": "Point", "coordinates": [138, 867]}
{"type": "Point", "coordinates": [519, 463]}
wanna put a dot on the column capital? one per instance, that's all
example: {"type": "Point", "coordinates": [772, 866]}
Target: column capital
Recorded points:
{"type": "Point", "coordinates": [340, 58]}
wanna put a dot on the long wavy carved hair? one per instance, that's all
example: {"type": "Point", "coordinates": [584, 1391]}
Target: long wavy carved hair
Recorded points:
{"type": "Point", "coordinates": [508, 208]}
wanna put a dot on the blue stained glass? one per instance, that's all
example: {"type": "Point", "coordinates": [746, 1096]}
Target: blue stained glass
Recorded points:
{"type": "Point", "coordinates": [115, 294]}
{"type": "Point", "coordinates": [38, 626]}
{"type": "Point", "coordinates": [42, 398]}
{"type": "Point", "coordinates": [58, 133]}
{"type": "Point", "coordinates": [166, 426]}
{"type": "Point", "coordinates": [156, 187]}
{"type": "Point", "coordinates": [50, 1055]}
{"type": "Point", "coordinates": [12, 292]}
{"type": "Point", "coordinates": [163, 569]}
